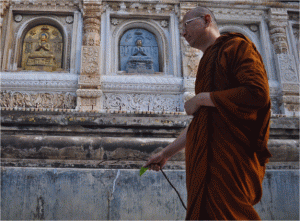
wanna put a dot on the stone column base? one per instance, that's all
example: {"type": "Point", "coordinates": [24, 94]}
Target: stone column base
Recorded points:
{"type": "Point", "coordinates": [89, 99]}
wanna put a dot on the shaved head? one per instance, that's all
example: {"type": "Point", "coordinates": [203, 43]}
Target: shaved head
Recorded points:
{"type": "Point", "coordinates": [201, 11]}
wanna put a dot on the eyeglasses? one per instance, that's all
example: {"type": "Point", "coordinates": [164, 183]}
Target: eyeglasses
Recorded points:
{"type": "Point", "coordinates": [190, 20]}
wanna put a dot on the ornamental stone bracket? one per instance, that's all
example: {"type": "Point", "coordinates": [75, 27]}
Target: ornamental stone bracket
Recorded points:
{"type": "Point", "coordinates": [289, 79]}
{"type": "Point", "coordinates": [89, 94]}
{"type": "Point", "coordinates": [285, 62]}
{"type": "Point", "coordinates": [278, 21]}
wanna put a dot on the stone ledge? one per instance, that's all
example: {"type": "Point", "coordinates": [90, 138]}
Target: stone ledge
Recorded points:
{"type": "Point", "coordinates": [114, 164]}
{"type": "Point", "coordinates": [111, 148]}
{"type": "Point", "coordinates": [113, 117]}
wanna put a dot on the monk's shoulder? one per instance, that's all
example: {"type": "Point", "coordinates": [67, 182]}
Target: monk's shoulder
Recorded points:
{"type": "Point", "coordinates": [235, 44]}
{"type": "Point", "coordinates": [233, 49]}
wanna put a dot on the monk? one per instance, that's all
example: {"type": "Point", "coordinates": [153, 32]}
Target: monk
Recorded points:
{"type": "Point", "coordinates": [226, 142]}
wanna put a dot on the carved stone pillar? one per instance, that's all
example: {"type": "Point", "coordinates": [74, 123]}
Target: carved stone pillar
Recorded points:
{"type": "Point", "coordinates": [285, 62]}
{"type": "Point", "coordinates": [4, 4]}
{"type": "Point", "coordinates": [89, 93]}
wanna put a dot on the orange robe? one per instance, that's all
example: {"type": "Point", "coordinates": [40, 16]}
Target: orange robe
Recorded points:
{"type": "Point", "coordinates": [226, 147]}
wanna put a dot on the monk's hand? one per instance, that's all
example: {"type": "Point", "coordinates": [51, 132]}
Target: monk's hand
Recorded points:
{"type": "Point", "coordinates": [156, 162]}
{"type": "Point", "coordinates": [193, 104]}
{"type": "Point", "coordinates": [201, 99]}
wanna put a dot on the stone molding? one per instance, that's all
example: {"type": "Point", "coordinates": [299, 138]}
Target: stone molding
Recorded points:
{"type": "Point", "coordinates": [37, 100]}
{"type": "Point", "coordinates": [141, 84]}
{"type": "Point", "coordinates": [89, 93]}
{"type": "Point", "coordinates": [31, 81]}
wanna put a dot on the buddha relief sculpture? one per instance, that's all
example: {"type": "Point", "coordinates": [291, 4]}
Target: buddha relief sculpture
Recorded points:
{"type": "Point", "coordinates": [138, 52]}
{"type": "Point", "coordinates": [139, 62]}
{"type": "Point", "coordinates": [42, 49]}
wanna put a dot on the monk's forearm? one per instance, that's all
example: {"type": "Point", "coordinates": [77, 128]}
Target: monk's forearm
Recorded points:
{"type": "Point", "coordinates": [201, 99]}
{"type": "Point", "coordinates": [177, 145]}
{"type": "Point", "coordinates": [204, 99]}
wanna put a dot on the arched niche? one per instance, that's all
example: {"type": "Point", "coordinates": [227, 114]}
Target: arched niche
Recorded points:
{"type": "Point", "coordinates": [141, 44]}
{"type": "Point", "coordinates": [41, 22]}
{"type": "Point", "coordinates": [152, 27]}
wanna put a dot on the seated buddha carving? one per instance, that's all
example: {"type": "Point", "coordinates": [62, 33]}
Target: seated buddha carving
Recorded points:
{"type": "Point", "coordinates": [42, 58]}
{"type": "Point", "coordinates": [139, 62]}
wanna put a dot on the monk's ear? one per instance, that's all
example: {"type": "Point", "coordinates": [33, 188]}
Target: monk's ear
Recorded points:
{"type": "Point", "coordinates": [207, 20]}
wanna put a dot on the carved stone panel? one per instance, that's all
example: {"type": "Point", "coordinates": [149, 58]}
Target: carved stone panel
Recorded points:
{"type": "Point", "coordinates": [90, 60]}
{"type": "Point", "coordinates": [286, 67]}
{"type": "Point", "coordinates": [42, 49]}
{"type": "Point", "coordinates": [37, 100]}
{"type": "Point", "coordinates": [141, 43]}
{"type": "Point", "coordinates": [191, 58]}
{"type": "Point", "coordinates": [142, 102]}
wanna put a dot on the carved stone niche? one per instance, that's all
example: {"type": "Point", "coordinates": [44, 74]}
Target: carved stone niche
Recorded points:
{"type": "Point", "coordinates": [38, 41]}
{"type": "Point", "coordinates": [41, 51]}
{"type": "Point", "coordinates": [139, 44]}
{"type": "Point", "coordinates": [141, 62]}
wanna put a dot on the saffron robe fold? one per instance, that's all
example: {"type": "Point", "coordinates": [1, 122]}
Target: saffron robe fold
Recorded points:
{"type": "Point", "coordinates": [226, 147]}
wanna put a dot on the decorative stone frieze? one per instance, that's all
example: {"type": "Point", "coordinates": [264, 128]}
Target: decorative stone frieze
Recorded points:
{"type": "Point", "coordinates": [37, 100]}
{"type": "Point", "coordinates": [278, 18]}
{"type": "Point", "coordinates": [145, 102]}
{"type": "Point", "coordinates": [46, 5]}
{"type": "Point", "coordinates": [141, 8]}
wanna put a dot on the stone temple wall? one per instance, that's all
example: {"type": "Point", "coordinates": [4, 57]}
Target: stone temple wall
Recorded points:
{"type": "Point", "coordinates": [78, 120]}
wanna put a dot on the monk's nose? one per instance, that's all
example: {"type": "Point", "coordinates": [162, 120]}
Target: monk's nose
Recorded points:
{"type": "Point", "coordinates": [183, 33]}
